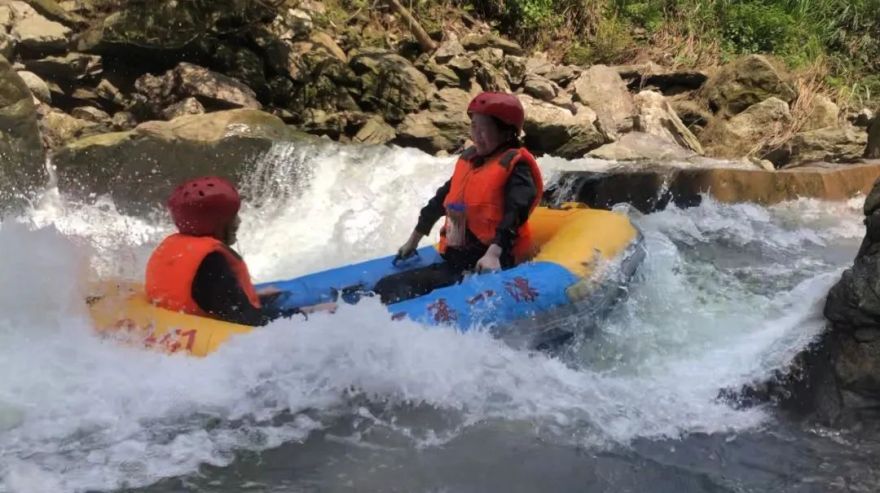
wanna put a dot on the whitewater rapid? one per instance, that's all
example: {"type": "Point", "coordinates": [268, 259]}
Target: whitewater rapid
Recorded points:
{"type": "Point", "coordinates": [727, 294]}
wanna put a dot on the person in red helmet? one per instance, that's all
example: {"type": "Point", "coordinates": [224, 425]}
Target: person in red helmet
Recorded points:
{"type": "Point", "coordinates": [196, 271]}
{"type": "Point", "coordinates": [487, 202]}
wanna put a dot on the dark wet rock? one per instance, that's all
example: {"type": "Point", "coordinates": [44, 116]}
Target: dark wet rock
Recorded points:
{"type": "Point", "coordinates": [872, 149]}
{"type": "Point", "coordinates": [138, 167]}
{"type": "Point", "coordinates": [71, 67]}
{"type": "Point", "coordinates": [651, 186]}
{"type": "Point", "coordinates": [22, 169]}
{"type": "Point", "coordinates": [668, 82]}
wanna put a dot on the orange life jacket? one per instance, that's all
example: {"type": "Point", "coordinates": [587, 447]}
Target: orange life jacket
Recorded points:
{"type": "Point", "coordinates": [172, 269]}
{"type": "Point", "coordinates": [481, 189]}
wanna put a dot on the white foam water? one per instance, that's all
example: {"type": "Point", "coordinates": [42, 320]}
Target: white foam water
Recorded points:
{"type": "Point", "coordinates": [727, 294]}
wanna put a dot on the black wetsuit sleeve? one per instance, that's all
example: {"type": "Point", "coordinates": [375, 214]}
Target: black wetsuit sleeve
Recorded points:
{"type": "Point", "coordinates": [519, 194]}
{"type": "Point", "coordinates": [434, 210]}
{"type": "Point", "coordinates": [216, 290]}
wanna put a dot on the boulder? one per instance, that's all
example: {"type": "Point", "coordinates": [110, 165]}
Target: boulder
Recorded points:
{"type": "Point", "coordinates": [745, 82]}
{"type": "Point", "coordinates": [539, 87]}
{"type": "Point", "coordinates": [72, 67]}
{"type": "Point", "coordinates": [872, 149]}
{"type": "Point", "coordinates": [602, 89]}
{"type": "Point", "coordinates": [433, 132]}
{"type": "Point", "coordinates": [852, 344]}
{"type": "Point", "coordinates": [744, 133]}
{"type": "Point", "coordinates": [443, 127]}
{"type": "Point", "coordinates": [390, 84]}
{"type": "Point", "coordinates": [476, 42]}
{"type": "Point", "coordinates": [7, 45]}
{"type": "Point", "coordinates": [35, 33]}
{"type": "Point", "coordinates": [562, 74]}
{"type": "Point", "coordinates": [137, 168]}
{"type": "Point", "coordinates": [37, 86]}
{"type": "Point", "coordinates": [489, 74]}
{"type": "Point", "coordinates": [515, 66]}
{"type": "Point", "coordinates": [53, 11]}
{"type": "Point", "coordinates": [110, 94]}
{"type": "Point", "coordinates": [462, 65]}
{"type": "Point", "coordinates": [91, 114]}
{"type": "Point", "coordinates": [60, 128]}
{"type": "Point", "coordinates": [656, 116]}
{"type": "Point", "coordinates": [447, 50]}
{"type": "Point", "coordinates": [375, 131]}
{"type": "Point", "coordinates": [829, 144]}
{"type": "Point", "coordinates": [667, 82]}
{"type": "Point", "coordinates": [692, 114]}
{"type": "Point", "coordinates": [159, 30]}
{"type": "Point", "coordinates": [441, 75]}
{"type": "Point", "coordinates": [861, 118]}
{"type": "Point", "coordinates": [213, 90]}
{"type": "Point", "coordinates": [638, 146]}
{"type": "Point", "coordinates": [823, 113]}
{"type": "Point", "coordinates": [558, 131]}
{"type": "Point", "coordinates": [123, 120]}
{"type": "Point", "coordinates": [189, 106]}
{"type": "Point", "coordinates": [22, 169]}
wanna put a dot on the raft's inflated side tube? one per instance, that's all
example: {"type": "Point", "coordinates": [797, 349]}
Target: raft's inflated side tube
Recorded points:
{"type": "Point", "coordinates": [578, 250]}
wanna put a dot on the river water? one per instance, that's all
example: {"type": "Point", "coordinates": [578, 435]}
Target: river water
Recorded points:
{"type": "Point", "coordinates": [352, 402]}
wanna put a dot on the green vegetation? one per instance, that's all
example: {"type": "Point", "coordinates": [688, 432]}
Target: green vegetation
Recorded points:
{"type": "Point", "coordinates": [842, 35]}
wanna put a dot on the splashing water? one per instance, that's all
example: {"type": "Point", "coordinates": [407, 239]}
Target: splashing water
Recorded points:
{"type": "Point", "coordinates": [727, 294]}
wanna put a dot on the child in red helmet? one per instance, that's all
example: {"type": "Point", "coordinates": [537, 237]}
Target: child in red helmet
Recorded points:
{"type": "Point", "coordinates": [195, 271]}
{"type": "Point", "coordinates": [495, 187]}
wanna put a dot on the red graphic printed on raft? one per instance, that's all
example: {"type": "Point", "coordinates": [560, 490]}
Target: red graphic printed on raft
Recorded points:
{"type": "Point", "coordinates": [173, 341]}
{"type": "Point", "coordinates": [520, 290]}
{"type": "Point", "coordinates": [441, 312]}
{"type": "Point", "coordinates": [485, 295]}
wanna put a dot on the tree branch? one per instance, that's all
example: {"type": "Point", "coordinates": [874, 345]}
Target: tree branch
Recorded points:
{"type": "Point", "coordinates": [424, 40]}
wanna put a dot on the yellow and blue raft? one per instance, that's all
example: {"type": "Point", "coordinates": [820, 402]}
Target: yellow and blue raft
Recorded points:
{"type": "Point", "coordinates": [584, 259]}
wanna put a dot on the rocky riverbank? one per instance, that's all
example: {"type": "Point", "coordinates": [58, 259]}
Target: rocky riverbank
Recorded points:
{"type": "Point", "coordinates": [80, 69]}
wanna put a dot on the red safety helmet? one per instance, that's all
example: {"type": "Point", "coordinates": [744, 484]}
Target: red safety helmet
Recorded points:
{"type": "Point", "coordinates": [503, 106]}
{"type": "Point", "coordinates": [203, 206]}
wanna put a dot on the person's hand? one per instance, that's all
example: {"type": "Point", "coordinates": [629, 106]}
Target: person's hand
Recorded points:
{"type": "Point", "coordinates": [491, 260]}
{"type": "Point", "coordinates": [410, 246]}
{"type": "Point", "coordinates": [268, 291]}
{"type": "Point", "coordinates": [320, 307]}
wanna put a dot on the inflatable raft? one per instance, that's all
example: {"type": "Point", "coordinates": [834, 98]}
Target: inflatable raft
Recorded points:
{"type": "Point", "coordinates": [584, 258]}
